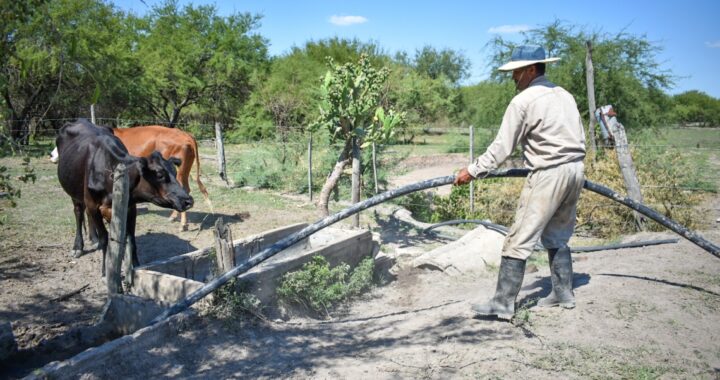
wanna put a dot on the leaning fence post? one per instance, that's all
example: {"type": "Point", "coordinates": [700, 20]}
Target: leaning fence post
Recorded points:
{"type": "Point", "coordinates": [118, 223]}
{"type": "Point", "coordinates": [627, 168]}
{"type": "Point", "coordinates": [472, 183]}
{"type": "Point", "coordinates": [222, 170]}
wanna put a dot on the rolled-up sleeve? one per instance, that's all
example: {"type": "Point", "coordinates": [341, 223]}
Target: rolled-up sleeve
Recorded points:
{"type": "Point", "coordinates": [507, 138]}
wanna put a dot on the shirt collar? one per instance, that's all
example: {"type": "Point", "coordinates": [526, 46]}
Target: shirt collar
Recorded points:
{"type": "Point", "coordinates": [541, 81]}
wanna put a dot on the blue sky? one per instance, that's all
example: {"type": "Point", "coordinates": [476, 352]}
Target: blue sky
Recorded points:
{"type": "Point", "coordinates": [689, 31]}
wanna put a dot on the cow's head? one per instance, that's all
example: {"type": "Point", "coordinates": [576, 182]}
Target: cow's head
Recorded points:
{"type": "Point", "coordinates": [158, 184]}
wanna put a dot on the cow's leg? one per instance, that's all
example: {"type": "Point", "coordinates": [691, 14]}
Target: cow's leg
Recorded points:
{"type": "Point", "coordinates": [130, 231]}
{"type": "Point", "coordinates": [96, 222]}
{"type": "Point", "coordinates": [183, 221]}
{"type": "Point", "coordinates": [173, 216]}
{"type": "Point", "coordinates": [79, 210]}
{"type": "Point", "coordinates": [92, 235]}
{"type": "Point", "coordinates": [183, 177]}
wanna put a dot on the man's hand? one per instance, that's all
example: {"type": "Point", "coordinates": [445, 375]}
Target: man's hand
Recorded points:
{"type": "Point", "coordinates": [463, 177]}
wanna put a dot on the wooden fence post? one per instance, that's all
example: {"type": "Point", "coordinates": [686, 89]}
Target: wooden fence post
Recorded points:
{"type": "Point", "coordinates": [225, 252]}
{"type": "Point", "coordinates": [627, 168]}
{"type": "Point", "coordinates": [472, 157]}
{"type": "Point", "coordinates": [118, 223]}
{"type": "Point", "coordinates": [92, 113]}
{"type": "Point", "coordinates": [310, 191]}
{"type": "Point", "coordinates": [590, 78]}
{"type": "Point", "coordinates": [222, 170]}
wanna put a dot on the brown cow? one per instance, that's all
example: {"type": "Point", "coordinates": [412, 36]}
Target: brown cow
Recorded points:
{"type": "Point", "coordinates": [171, 143]}
{"type": "Point", "coordinates": [88, 157]}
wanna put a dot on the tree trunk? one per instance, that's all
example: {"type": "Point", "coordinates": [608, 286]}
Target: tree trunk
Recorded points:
{"type": "Point", "coordinates": [332, 180]}
{"type": "Point", "coordinates": [356, 162]}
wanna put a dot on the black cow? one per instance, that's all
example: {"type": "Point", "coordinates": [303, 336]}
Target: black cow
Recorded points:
{"type": "Point", "coordinates": [88, 157]}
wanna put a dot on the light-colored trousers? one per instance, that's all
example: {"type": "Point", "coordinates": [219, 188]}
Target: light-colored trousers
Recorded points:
{"type": "Point", "coordinates": [546, 210]}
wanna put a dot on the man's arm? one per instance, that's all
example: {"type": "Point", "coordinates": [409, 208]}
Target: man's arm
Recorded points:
{"type": "Point", "coordinates": [502, 147]}
{"type": "Point", "coordinates": [507, 138]}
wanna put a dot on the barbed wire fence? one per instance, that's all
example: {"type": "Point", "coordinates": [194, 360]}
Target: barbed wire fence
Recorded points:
{"type": "Point", "coordinates": [298, 138]}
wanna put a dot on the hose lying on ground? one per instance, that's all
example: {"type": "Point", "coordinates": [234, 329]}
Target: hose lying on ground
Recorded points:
{"type": "Point", "coordinates": [430, 183]}
{"type": "Point", "coordinates": [502, 230]}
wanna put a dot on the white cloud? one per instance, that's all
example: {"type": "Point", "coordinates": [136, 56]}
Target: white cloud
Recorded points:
{"type": "Point", "coordinates": [503, 29]}
{"type": "Point", "coordinates": [713, 45]}
{"type": "Point", "coordinates": [347, 20]}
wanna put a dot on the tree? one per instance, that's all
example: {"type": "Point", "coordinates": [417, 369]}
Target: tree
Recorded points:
{"type": "Point", "coordinates": [627, 73]}
{"type": "Point", "coordinates": [65, 54]}
{"type": "Point", "coordinates": [191, 56]}
{"type": "Point", "coordinates": [696, 107]}
{"type": "Point", "coordinates": [438, 63]}
{"type": "Point", "coordinates": [288, 96]}
{"type": "Point", "coordinates": [351, 112]}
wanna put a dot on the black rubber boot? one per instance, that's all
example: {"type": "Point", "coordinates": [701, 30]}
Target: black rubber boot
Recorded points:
{"type": "Point", "coordinates": [510, 279]}
{"type": "Point", "coordinates": [562, 280]}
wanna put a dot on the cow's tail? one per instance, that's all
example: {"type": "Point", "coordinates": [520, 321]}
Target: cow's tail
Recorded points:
{"type": "Point", "coordinates": [201, 186]}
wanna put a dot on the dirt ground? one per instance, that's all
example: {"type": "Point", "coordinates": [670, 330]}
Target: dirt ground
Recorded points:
{"type": "Point", "coordinates": [649, 312]}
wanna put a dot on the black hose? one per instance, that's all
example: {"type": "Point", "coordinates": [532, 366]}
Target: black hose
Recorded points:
{"type": "Point", "coordinates": [489, 225]}
{"type": "Point", "coordinates": [656, 216]}
{"type": "Point", "coordinates": [427, 184]}
{"type": "Point", "coordinates": [296, 237]}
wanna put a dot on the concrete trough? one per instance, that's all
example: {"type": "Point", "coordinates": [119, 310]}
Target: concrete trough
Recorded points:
{"type": "Point", "coordinates": [122, 326]}
{"type": "Point", "coordinates": [170, 280]}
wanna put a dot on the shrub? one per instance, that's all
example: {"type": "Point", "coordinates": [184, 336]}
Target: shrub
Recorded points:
{"type": "Point", "coordinates": [319, 288]}
{"type": "Point", "coordinates": [231, 302]}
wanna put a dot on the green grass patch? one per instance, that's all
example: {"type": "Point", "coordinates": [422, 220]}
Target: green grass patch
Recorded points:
{"type": "Point", "coordinates": [319, 288]}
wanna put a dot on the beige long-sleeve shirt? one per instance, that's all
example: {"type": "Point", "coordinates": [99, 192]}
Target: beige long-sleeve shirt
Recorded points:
{"type": "Point", "coordinates": [545, 120]}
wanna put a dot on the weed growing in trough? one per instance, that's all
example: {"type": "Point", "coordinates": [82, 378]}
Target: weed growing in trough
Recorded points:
{"type": "Point", "coordinates": [319, 288]}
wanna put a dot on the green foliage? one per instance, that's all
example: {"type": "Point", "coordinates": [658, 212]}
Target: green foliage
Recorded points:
{"type": "Point", "coordinates": [11, 190]}
{"type": "Point", "coordinates": [696, 108]}
{"type": "Point", "coordinates": [193, 55]}
{"type": "Point", "coordinates": [438, 64]}
{"type": "Point", "coordinates": [425, 101]}
{"type": "Point", "coordinates": [486, 103]}
{"type": "Point", "coordinates": [627, 73]}
{"type": "Point", "coordinates": [319, 288]}
{"type": "Point", "coordinates": [231, 302]}
{"type": "Point", "coordinates": [350, 96]}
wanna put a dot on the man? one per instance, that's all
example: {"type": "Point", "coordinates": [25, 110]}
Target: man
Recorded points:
{"type": "Point", "coordinates": [542, 118]}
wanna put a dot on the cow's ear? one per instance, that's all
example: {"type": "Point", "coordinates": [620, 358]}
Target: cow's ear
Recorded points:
{"type": "Point", "coordinates": [175, 161]}
{"type": "Point", "coordinates": [144, 164]}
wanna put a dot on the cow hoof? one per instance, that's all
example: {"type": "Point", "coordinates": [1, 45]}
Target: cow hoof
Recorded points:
{"type": "Point", "coordinates": [77, 253]}
{"type": "Point", "coordinates": [183, 228]}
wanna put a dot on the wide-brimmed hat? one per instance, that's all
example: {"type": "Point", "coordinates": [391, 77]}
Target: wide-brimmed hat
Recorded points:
{"type": "Point", "coordinates": [525, 56]}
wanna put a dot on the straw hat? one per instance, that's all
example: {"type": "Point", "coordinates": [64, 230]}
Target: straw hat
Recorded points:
{"type": "Point", "coordinates": [525, 56]}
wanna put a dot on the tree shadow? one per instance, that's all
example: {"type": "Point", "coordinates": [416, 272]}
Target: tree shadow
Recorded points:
{"type": "Point", "coordinates": [286, 350]}
{"type": "Point", "coordinates": [203, 219]}
{"type": "Point", "coordinates": [154, 246]}
{"type": "Point", "coordinates": [395, 231]}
